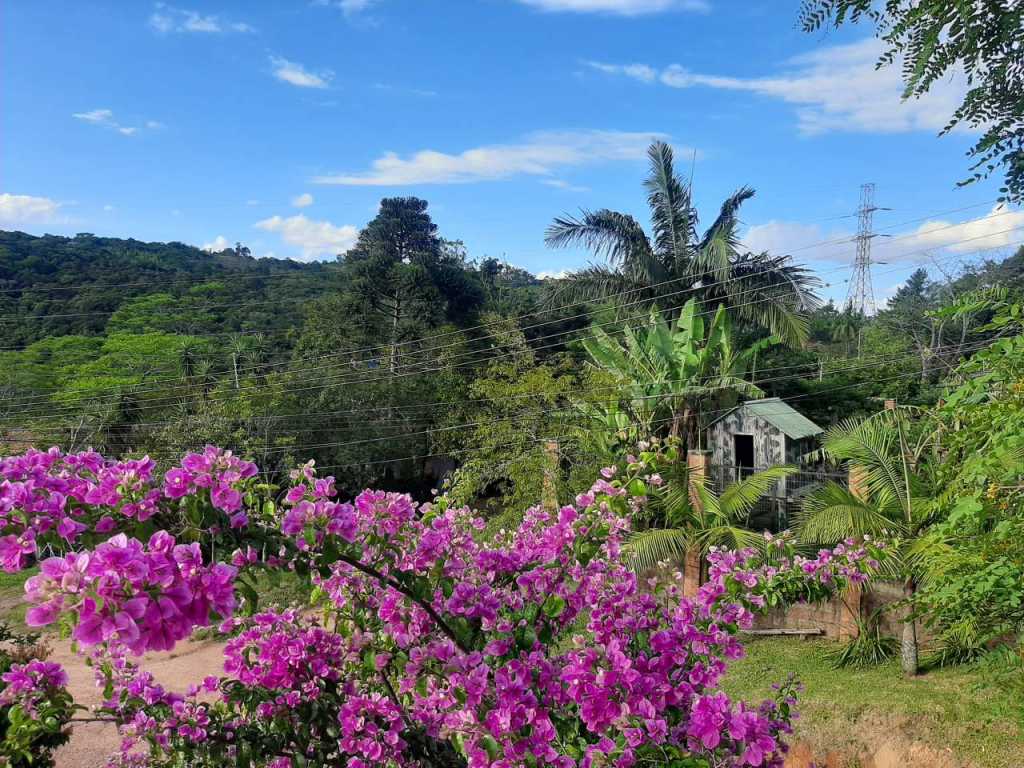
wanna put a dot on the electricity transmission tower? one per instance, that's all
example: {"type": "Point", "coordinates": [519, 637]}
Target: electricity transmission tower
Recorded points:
{"type": "Point", "coordinates": [860, 296]}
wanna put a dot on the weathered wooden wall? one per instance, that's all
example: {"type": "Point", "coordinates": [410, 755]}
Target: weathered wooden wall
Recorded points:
{"type": "Point", "coordinates": [769, 441]}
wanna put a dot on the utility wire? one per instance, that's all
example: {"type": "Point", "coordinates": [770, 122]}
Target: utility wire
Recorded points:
{"type": "Point", "coordinates": [623, 390]}
{"type": "Point", "coordinates": [386, 376]}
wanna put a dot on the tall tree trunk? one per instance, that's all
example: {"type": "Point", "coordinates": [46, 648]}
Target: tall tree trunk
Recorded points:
{"type": "Point", "coordinates": [908, 646]}
{"type": "Point", "coordinates": [692, 571]}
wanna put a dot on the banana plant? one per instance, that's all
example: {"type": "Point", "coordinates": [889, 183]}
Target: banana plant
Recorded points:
{"type": "Point", "coordinates": [674, 374]}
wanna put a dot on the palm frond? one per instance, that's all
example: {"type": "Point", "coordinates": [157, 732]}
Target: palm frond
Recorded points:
{"type": "Point", "coordinates": [719, 246]}
{"type": "Point", "coordinates": [730, 537]}
{"type": "Point", "coordinates": [616, 236]}
{"type": "Point", "coordinates": [597, 283]}
{"type": "Point", "coordinates": [740, 497]}
{"type": "Point", "coordinates": [672, 214]}
{"type": "Point", "coordinates": [646, 549]}
{"type": "Point", "coordinates": [832, 513]}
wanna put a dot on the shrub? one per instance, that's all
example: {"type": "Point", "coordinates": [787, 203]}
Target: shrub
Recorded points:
{"type": "Point", "coordinates": [437, 645]}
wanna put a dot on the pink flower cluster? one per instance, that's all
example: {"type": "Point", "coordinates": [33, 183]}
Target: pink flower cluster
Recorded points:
{"type": "Point", "coordinates": [32, 683]}
{"type": "Point", "coordinates": [643, 676]}
{"type": "Point", "coordinates": [145, 597]}
{"type": "Point", "coordinates": [220, 473]}
{"type": "Point", "coordinates": [63, 495]}
{"type": "Point", "coordinates": [56, 497]}
{"type": "Point", "coordinates": [275, 652]}
{"type": "Point", "coordinates": [536, 647]}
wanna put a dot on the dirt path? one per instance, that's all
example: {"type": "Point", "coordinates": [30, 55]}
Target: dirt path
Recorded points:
{"type": "Point", "coordinates": [92, 743]}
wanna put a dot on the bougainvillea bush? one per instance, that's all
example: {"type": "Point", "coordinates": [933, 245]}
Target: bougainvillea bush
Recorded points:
{"type": "Point", "coordinates": [430, 644]}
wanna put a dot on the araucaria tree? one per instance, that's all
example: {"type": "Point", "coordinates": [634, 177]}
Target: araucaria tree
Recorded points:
{"type": "Point", "coordinates": [675, 263]}
{"type": "Point", "coordinates": [436, 647]}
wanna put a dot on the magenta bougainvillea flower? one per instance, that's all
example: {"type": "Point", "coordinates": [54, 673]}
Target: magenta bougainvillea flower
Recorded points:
{"type": "Point", "coordinates": [431, 643]}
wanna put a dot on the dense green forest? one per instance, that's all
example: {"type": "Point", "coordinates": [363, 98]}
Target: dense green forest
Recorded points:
{"type": "Point", "coordinates": [407, 358]}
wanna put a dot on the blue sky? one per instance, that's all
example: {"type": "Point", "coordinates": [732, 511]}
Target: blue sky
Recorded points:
{"type": "Point", "coordinates": [281, 124]}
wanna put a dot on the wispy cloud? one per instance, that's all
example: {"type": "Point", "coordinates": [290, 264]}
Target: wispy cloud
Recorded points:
{"type": "Point", "coordinates": [641, 72]}
{"type": "Point", "coordinates": [562, 184]}
{"type": "Point", "coordinates": [1000, 227]}
{"type": "Point", "coordinates": [619, 7]}
{"type": "Point", "coordinates": [105, 118]}
{"type": "Point", "coordinates": [167, 19]}
{"type": "Point", "coordinates": [317, 239]}
{"type": "Point", "coordinates": [303, 200]}
{"type": "Point", "coordinates": [26, 209]}
{"type": "Point", "coordinates": [836, 88]}
{"type": "Point", "coordinates": [296, 74]}
{"type": "Point", "coordinates": [540, 154]}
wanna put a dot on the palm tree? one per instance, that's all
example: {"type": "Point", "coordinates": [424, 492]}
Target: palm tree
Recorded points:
{"type": "Point", "coordinates": [894, 500]}
{"type": "Point", "coordinates": [760, 289]}
{"type": "Point", "coordinates": [673, 374]}
{"type": "Point", "coordinates": [847, 328]}
{"type": "Point", "coordinates": [687, 518]}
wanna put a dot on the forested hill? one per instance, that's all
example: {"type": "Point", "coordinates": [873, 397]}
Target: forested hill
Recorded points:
{"type": "Point", "coordinates": [54, 286]}
{"type": "Point", "coordinates": [152, 347]}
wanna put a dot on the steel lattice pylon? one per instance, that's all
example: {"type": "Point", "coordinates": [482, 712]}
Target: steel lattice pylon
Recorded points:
{"type": "Point", "coordinates": [860, 297]}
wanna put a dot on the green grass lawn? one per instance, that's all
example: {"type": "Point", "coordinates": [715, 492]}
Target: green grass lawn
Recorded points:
{"type": "Point", "coordinates": [945, 708]}
{"type": "Point", "coordinates": [12, 598]}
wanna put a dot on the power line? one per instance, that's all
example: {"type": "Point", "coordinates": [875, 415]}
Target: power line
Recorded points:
{"type": "Point", "coordinates": [621, 389]}
{"type": "Point", "coordinates": [413, 370]}
{"type": "Point", "coordinates": [263, 368]}
{"type": "Point", "coordinates": [476, 401]}
{"type": "Point", "coordinates": [450, 452]}
{"type": "Point", "coordinates": [418, 371]}
{"type": "Point", "coordinates": [805, 247]}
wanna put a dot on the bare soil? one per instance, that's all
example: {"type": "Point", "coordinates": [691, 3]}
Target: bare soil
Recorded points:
{"type": "Point", "coordinates": [92, 743]}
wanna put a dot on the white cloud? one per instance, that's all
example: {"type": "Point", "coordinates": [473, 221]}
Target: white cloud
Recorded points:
{"type": "Point", "coordinates": [808, 242]}
{"type": "Point", "coordinates": [539, 155]}
{"type": "Point", "coordinates": [252, 202]}
{"type": "Point", "coordinates": [219, 244]}
{"type": "Point", "coordinates": [108, 208]}
{"type": "Point", "coordinates": [562, 184]}
{"type": "Point", "coordinates": [154, 125]}
{"type": "Point", "coordinates": [989, 231]}
{"type": "Point", "coordinates": [641, 72]}
{"type": "Point", "coordinates": [354, 6]}
{"type": "Point", "coordinates": [105, 118]}
{"type": "Point", "coordinates": [315, 238]}
{"type": "Point", "coordinates": [834, 89]}
{"type": "Point", "coordinates": [95, 116]}
{"type": "Point", "coordinates": [294, 73]}
{"type": "Point", "coordinates": [303, 200]}
{"type": "Point", "coordinates": [999, 228]}
{"type": "Point", "coordinates": [550, 274]}
{"type": "Point", "coordinates": [620, 7]}
{"type": "Point", "coordinates": [25, 209]}
{"type": "Point", "coordinates": [348, 7]}
{"type": "Point", "coordinates": [166, 19]}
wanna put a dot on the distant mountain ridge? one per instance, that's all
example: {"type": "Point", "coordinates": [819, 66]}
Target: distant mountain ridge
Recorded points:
{"type": "Point", "coordinates": [53, 285]}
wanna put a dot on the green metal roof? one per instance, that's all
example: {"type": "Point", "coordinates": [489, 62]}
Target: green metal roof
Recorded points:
{"type": "Point", "coordinates": [781, 415]}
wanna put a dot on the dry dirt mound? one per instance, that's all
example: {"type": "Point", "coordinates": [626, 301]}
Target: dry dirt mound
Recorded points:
{"type": "Point", "coordinates": [873, 741]}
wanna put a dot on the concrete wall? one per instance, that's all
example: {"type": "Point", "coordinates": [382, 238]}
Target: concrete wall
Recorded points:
{"type": "Point", "coordinates": [834, 618]}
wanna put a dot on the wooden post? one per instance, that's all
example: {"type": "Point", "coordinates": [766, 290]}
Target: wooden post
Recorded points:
{"type": "Point", "coordinates": [549, 490]}
{"type": "Point", "coordinates": [693, 562]}
{"type": "Point", "coordinates": [851, 601]}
